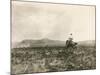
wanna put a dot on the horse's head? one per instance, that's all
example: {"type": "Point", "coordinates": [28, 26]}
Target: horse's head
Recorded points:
{"type": "Point", "coordinates": [75, 43]}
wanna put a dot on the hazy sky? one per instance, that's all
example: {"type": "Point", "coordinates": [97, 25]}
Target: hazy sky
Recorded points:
{"type": "Point", "coordinates": [32, 20]}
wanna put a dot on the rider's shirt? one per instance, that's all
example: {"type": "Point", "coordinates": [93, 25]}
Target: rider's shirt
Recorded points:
{"type": "Point", "coordinates": [70, 37]}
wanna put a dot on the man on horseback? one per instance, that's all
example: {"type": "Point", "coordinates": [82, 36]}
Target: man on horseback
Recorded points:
{"type": "Point", "coordinates": [69, 42]}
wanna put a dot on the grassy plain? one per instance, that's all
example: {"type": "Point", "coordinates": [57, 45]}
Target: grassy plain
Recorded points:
{"type": "Point", "coordinates": [52, 59]}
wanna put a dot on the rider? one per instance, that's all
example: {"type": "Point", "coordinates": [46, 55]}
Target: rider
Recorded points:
{"type": "Point", "coordinates": [70, 40]}
{"type": "Point", "coordinates": [70, 37]}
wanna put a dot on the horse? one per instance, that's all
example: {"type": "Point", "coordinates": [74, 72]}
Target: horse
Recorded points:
{"type": "Point", "coordinates": [71, 44]}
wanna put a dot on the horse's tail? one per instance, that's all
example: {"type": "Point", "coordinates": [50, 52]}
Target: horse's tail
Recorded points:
{"type": "Point", "coordinates": [67, 43]}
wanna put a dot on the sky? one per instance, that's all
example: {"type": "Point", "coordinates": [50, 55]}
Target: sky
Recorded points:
{"type": "Point", "coordinates": [32, 20]}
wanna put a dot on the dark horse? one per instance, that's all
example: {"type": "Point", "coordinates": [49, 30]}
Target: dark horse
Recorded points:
{"type": "Point", "coordinates": [71, 44]}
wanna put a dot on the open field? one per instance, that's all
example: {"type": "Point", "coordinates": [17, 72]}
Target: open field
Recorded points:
{"type": "Point", "coordinates": [52, 59]}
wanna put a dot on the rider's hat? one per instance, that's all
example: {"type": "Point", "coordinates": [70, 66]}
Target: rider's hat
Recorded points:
{"type": "Point", "coordinates": [70, 33]}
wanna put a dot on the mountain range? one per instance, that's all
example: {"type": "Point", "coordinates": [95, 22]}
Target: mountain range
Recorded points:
{"type": "Point", "coordinates": [48, 42]}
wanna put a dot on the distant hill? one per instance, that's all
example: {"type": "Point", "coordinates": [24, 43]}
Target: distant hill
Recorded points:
{"type": "Point", "coordinates": [47, 42]}
{"type": "Point", "coordinates": [39, 43]}
{"type": "Point", "coordinates": [87, 43]}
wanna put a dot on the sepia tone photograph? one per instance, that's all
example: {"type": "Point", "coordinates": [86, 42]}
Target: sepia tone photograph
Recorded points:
{"type": "Point", "coordinates": [52, 37]}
